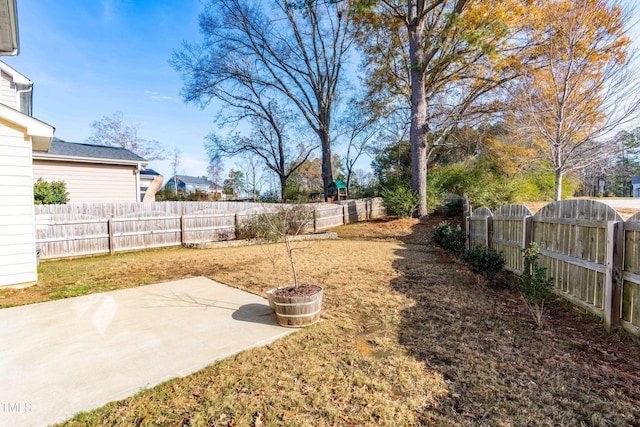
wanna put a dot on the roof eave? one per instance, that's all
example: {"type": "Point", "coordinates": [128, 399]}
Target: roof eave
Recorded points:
{"type": "Point", "coordinates": [78, 159]}
{"type": "Point", "coordinates": [15, 75]}
{"type": "Point", "coordinates": [40, 132]}
{"type": "Point", "coordinates": [9, 40]}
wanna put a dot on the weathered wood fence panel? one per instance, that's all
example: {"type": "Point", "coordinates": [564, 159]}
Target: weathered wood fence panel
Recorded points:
{"type": "Point", "coordinates": [377, 208]}
{"type": "Point", "coordinates": [479, 226]}
{"type": "Point", "coordinates": [355, 210]}
{"type": "Point", "coordinates": [121, 209]}
{"type": "Point", "coordinates": [328, 216]}
{"type": "Point", "coordinates": [97, 228]}
{"type": "Point", "coordinates": [73, 234]}
{"type": "Point", "coordinates": [573, 235]}
{"type": "Point", "coordinates": [144, 232]}
{"type": "Point", "coordinates": [591, 254]}
{"type": "Point", "coordinates": [509, 235]}
{"type": "Point", "coordinates": [630, 316]}
{"type": "Point", "coordinates": [209, 225]}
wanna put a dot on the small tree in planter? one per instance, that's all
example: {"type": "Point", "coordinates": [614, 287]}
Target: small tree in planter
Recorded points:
{"type": "Point", "coordinates": [299, 304]}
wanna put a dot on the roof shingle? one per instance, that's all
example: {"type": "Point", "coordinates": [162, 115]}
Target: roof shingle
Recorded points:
{"type": "Point", "coordinates": [74, 149]}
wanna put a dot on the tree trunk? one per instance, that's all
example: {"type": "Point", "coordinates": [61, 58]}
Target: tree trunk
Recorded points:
{"type": "Point", "coordinates": [283, 188]}
{"type": "Point", "coordinates": [327, 174]}
{"type": "Point", "coordinates": [558, 193]}
{"type": "Point", "coordinates": [419, 125]}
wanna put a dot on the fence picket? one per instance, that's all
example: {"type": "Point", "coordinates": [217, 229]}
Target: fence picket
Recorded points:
{"type": "Point", "coordinates": [591, 254]}
{"type": "Point", "coordinates": [95, 228]}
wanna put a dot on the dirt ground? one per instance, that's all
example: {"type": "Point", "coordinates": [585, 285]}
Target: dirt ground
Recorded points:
{"type": "Point", "coordinates": [408, 337]}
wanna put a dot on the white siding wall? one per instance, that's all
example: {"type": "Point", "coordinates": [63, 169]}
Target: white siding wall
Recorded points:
{"type": "Point", "coordinates": [17, 233]}
{"type": "Point", "coordinates": [88, 182]}
{"type": "Point", "coordinates": [8, 91]}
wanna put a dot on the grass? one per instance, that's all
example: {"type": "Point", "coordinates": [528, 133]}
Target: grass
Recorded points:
{"type": "Point", "coordinates": [409, 337]}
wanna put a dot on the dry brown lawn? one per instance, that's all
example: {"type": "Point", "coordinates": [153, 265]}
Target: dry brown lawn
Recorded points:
{"type": "Point", "coordinates": [409, 337]}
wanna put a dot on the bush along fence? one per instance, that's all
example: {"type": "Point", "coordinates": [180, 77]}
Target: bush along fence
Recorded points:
{"type": "Point", "coordinates": [591, 255]}
{"type": "Point", "coordinates": [101, 228]}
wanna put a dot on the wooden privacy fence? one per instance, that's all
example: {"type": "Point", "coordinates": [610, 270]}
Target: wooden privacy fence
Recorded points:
{"type": "Point", "coordinates": [101, 228]}
{"type": "Point", "coordinates": [592, 255]}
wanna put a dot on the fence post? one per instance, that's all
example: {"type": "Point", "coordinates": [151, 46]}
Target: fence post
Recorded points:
{"type": "Point", "coordinates": [345, 214]}
{"type": "Point", "coordinates": [315, 220]}
{"type": "Point", "coordinates": [489, 223]}
{"type": "Point", "coordinates": [236, 224]}
{"type": "Point", "coordinates": [110, 231]}
{"type": "Point", "coordinates": [466, 222]}
{"type": "Point", "coordinates": [182, 229]}
{"type": "Point", "coordinates": [613, 274]}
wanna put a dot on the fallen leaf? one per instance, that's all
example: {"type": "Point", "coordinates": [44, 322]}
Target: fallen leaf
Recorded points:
{"type": "Point", "coordinates": [347, 419]}
{"type": "Point", "coordinates": [259, 421]}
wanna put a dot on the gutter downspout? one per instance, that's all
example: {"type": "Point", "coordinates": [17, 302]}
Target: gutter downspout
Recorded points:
{"type": "Point", "coordinates": [21, 91]}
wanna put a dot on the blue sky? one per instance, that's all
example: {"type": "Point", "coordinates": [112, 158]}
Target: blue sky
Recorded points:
{"type": "Point", "coordinates": [92, 58]}
{"type": "Point", "coordinates": [89, 59]}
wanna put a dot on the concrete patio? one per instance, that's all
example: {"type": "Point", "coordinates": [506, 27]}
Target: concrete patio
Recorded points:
{"type": "Point", "coordinates": [62, 357]}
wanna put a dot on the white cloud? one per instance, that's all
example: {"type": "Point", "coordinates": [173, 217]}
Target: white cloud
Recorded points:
{"type": "Point", "coordinates": [156, 95]}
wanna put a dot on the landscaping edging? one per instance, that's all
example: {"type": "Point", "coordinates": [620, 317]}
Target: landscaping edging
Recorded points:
{"type": "Point", "coordinates": [246, 242]}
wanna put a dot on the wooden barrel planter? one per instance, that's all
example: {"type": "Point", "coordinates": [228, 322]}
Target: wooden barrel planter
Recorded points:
{"type": "Point", "coordinates": [296, 311]}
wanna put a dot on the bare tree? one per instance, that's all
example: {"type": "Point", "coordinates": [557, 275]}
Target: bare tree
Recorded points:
{"type": "Point", "coordinates": [256, 52]}
{"type": "Point", "coordinates": [583, 88]}
{"type": "Point", "coordinates": [215, 166]}
{"type": "Point", "coordinates": [359, 125]}
{"type": "Point", "coordinates": [113, 131]}
{"type": "Point", "coordinates": [253, 177]}
{"type": "Point", "coordinates": [270, 141]}
{"type": "Point", "coordinates": [176, 155]}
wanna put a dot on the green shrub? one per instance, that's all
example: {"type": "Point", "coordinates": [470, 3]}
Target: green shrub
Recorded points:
{"type": "Point", "coordinates": [534, 286]}
{"type": "Point", "coordinates": [454, 208]}
{"type": "Point", "coordinates": [485, 261]}
{"type": "Point", "coordinates": [483, 185]}
{"type": "Point", "coordinates": [400, 200]}
{"type": "Point", "coordinates": [50, 193]}
{"type": "Point", "coordinates": [257, 227]}
{"type": "Point", "coordinates": [450, 238]}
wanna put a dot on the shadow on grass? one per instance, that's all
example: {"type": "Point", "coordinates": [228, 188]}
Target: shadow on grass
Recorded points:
{"type": "Point", "coordinates": [499, 369]}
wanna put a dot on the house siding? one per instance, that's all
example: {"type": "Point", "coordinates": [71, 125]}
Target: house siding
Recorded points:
{"type": "Point", "coordinates": [8, 91]}
{"type": "Point", "coordinates": [90, 182]}
{"type": "Point", "coordinates": [17, 231]}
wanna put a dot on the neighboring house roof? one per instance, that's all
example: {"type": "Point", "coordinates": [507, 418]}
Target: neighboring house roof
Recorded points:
{"type": "Point", "coordinates": [78, 152]}
{"type": "Point", "coordinates": [635, 180]}
{"type": "Point", "coordinates": [190, 180]}
{"type": "Point", "coordinates": [150, 172]}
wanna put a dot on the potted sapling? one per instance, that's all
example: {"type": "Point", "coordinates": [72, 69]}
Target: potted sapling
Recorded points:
{"type": "Point", "coordinates": [298, 304]}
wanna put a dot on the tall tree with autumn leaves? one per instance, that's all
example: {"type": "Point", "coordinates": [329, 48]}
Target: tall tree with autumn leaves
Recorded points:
{"type": "Point", "coordinates": [582, 86]}
{"type": "Point", "coordinates": [447, 58]}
